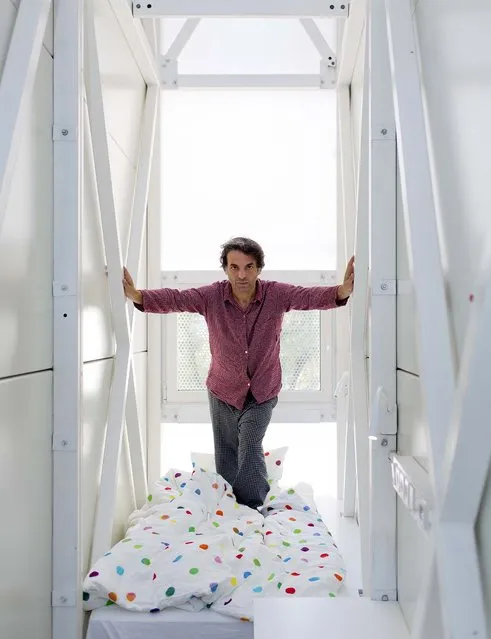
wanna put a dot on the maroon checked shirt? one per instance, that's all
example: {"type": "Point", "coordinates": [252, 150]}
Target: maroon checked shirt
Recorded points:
{"type": "Point", "coordinates": [244, 344]}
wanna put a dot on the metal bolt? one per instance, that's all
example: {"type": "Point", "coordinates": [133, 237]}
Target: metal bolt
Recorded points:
{"type": "Point", "coordinates": [64, 132]}
{"type": "Point", "coordinates": [384, 443]}
{"type": "Point", "coordinates": [383, 131]}
{"type": "Point", "coordinates": [64, 287]}
{"type": "Point", "coordinates": [385, 597]}
{"type": "Point", "coordinates": [138, 6]}
{"type": "Point", "coordinates": [384, 286]}
{"type": "Point", "coordinates": [63, 600]}
{"type": "Point", "coordinates": [64, 443]}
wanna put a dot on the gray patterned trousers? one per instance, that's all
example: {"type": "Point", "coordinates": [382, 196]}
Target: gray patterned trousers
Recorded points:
{"type": "Point", "coordinates": [239, 456]}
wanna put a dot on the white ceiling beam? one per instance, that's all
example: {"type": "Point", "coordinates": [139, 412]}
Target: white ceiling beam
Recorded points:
{"type": "Point", "coordinates": [259, 81]}
{"type": "Point", "coordinates": [137, 40]}
{"type": "Point", "coordinates": [240, 8]}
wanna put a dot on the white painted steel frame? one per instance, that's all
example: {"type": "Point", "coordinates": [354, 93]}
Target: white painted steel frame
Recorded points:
{"type": "Point", "coordinates": [16, 84]}
{"type": "Point", "coordinates": [172, 80]}
{"type": "Point", "coordinates": [122, 399]}
{"type": "Point", "coordinates": [359, 387]}
{"type": "Point", "coordinates": [381, 196]}
{"type": "Point", "coordinates": [240, 8]}
{"type": "Point", "coordinates": [154, 322]}
{"type": "Point", "coordinates": [454, 542]}
{"type": "Point", "coordinates": [137, 40]}
{"type": "Point", "coordinates": [67, 358]}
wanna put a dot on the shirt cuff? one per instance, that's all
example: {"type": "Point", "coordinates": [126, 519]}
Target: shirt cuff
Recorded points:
{"type": "Point", "coordinates": [341, 302]}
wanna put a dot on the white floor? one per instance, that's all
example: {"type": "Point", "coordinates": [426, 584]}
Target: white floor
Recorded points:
{"type": "Point", "coordinates": [311, 458]}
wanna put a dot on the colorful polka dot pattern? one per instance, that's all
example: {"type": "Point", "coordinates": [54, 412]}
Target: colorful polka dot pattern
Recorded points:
{"type": "Point", "coordinates": [191, 539]}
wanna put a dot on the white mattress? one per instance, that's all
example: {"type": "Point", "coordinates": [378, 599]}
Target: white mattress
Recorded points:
{"type": "Point", "coordinates": [115, 623]}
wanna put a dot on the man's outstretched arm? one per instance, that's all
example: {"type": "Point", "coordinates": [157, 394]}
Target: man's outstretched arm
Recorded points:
{"type": "Point", "coordinates": [165, 300]}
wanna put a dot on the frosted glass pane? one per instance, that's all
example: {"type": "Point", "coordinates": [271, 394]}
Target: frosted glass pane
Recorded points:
{"type": "Point", "coordinates": [300, 351]}
{"type": "Point", "coordinates": [260, 164]}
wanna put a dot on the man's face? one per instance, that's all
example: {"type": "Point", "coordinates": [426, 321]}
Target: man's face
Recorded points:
{"type": "Point", "coordinates": [242, 272]}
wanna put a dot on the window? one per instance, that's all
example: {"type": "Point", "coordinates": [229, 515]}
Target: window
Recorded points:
{"type": "Point", "coordinates": [300, 352]}
{"type": "Point", "coordinates": [260, 164]}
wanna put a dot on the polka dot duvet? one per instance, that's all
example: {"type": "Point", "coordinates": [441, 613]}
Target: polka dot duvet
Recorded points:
{"type": "Point", "coordinates": [193, 546]}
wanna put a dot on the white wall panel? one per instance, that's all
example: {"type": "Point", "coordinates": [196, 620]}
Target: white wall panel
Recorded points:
{"type": "Point", "coordinates": [123, 86]}
{"type": "Point", "coordinates": [412, 560]}
{"type": "Point", "coordinates": [458, 95]}
{"type": "Point", "coordinates": [412, 422]}
{"type": "Point", "coordinates": [97, 330]}
{"type": "Point", "coordinates": [407, 353]}
{"type": "Point", "coordinates": [483, 529]}
{"type": "Point", "coordinates": [26, 498]}
{"type": "Point", "coordinates": [96, 384]}
{"type": "Point", "coordinates": [457, 91]}
{"type": "Point", "coordinates": [123, 95]}
{"type": "Point", "coordinates": [8, 11]}
{"type": "Point", "coordinates": [26, 241]}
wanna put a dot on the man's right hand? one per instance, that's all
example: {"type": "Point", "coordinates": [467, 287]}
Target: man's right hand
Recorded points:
{"type": "Point", "coordinates": [130, 291]}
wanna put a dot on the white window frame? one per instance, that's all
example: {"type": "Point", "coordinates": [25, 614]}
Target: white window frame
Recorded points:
{"type": "Point", "coordinates": [293, 407]}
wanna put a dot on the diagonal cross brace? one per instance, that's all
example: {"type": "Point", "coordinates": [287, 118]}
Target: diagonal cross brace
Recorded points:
{"type": "Point", "coordinates": [16, 84]}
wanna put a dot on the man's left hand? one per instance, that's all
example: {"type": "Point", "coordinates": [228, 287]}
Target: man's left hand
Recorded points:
{"type": "Point", "coordinates": [347, 286]}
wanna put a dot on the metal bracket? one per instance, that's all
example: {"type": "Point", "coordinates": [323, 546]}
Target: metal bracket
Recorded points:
{"type": "Point", "coordinates": [169, 73]}
{"type": "Point", "coordinates": [328, 75]}
{"type": "Point", "coordinates": [385, 287]}
{"type": "Point", "coordinates": [382, 132]}
{"type": "Point", "coordinates": [61, 443]}
{"type": "Point", "coordinates": [64, 599]}
{"type": "Point", "coordinates": [62, 289]}
{"type": "Point", "coordinates": [61, 133]}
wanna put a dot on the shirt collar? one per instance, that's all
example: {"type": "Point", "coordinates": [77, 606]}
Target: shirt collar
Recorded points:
{"type": "Point", "coordinates": [228, 295]}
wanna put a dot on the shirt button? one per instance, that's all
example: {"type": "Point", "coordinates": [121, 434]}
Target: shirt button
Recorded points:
{"type": "Point", "coordinates": [248, 384]}
{"type": "Point", "coordinates": [246, 352]}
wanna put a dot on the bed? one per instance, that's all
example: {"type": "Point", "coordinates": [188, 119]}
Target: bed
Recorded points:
{"type": "Point", "coordinates": [194, 560]}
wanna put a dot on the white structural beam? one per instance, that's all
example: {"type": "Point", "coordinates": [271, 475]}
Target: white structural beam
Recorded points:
{"type": "Point", "coordinates": [137, 40]}
{"type": "Point", "coordinates": [133, 253]}
{"type": "Point", "coordinates": [347, 168]}
{"type": "Point", "coordinates": [182, 38]}
{"type": "Point", "coordinates": [359, 387]}
{"type": "Point", "coordinates": [382, 179]}
{"type": "Point", "coordinates": [347, 230]}
{"type": "Point", "coordinates": [350, 477]}
{"type": "Point", "coordinates": [67, 358]}
{"type": "Point", "coordinates": [16, 85]}
{"type": "Point", "coordinates": [98, 145]}
{"type": "Point", "coordinates": [240, 8]}
{"type": "Point", "coordinates": [435, 342]}
{"type": "Point", "coordinates": [249, 81]}
{"type": "Point", "coordinates": [351, 41]}
{"type": "Point", "coordinates": [318, 40]}
{"type": "Point", "coordinates": [154, 321]}
{"type": "Point", "coordinates": [458, 517]}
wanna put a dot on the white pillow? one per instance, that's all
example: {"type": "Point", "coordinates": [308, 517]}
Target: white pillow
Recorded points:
{"type": "Point", "coordinates": [274, 462]}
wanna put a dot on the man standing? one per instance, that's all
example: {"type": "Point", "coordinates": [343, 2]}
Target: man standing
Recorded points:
{"type": "Point", "coordinates": [244, 317]}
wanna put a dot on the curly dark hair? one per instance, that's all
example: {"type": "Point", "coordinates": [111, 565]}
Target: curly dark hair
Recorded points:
{"type": "Point", "coordinates": [244, 245]}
